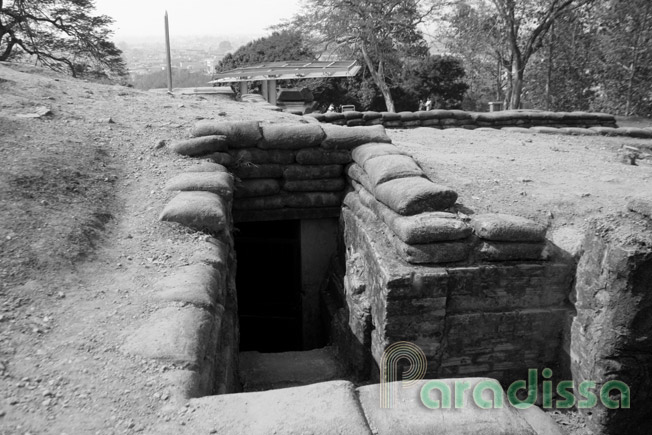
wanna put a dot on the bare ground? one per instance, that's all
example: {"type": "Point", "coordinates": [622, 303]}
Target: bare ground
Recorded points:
{"type": "Point", "coordinates": [81, 246]}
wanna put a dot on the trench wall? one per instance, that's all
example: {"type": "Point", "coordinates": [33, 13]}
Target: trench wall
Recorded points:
{"type": "Point", "coordinates": [482, 295]}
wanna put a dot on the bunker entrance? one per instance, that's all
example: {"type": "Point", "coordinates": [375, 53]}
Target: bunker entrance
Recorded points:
{"type": "Point", "coordinates": [281, 266]}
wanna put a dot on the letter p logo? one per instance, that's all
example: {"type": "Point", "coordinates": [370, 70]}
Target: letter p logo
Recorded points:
{"type": "Point", "coordinates": [401, 350]}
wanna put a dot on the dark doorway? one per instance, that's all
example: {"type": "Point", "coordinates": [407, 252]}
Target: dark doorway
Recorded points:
{"type": "Point", "coordinates": [268, 281]}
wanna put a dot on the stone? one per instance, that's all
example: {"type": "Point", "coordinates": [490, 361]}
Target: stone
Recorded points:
{"type": "Point", "coordinates": [200, 145]}
{"type": "Point", "coordinates": [175, 335]}
{"type": "Point", "coordinates": [347, 138]}
{"type": "Point", "coordinates": [291, 136]}
{"type": "Point", "coordinates": [323, 408]}
{"type": "Point", "coordinates": [386, 168]}
{"type": "Point", "coordinates": [413, 195]}
{"type": "Point", "coordinates": [220, 183]}
{"type": "Point", "coordinates": [200, 285]}
{"type": "Point", "coordinates": [266, 371]}
{"type": "Point", "coordinates": [611, 335]}
{"type": "Point", "coordinates": [507, 228]}
{"type": "Point", "coordinates": [197, 210]}
{"type": "Point", "coordinates": [406, 414]}
{"type": "Point", "coordinates": [239, 134]}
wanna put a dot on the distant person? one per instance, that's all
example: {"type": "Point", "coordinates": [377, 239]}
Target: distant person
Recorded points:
{"type": "Point", "coordinates": [331, 108]}
{"type": "Point", "coordinates": [422, 105]}
{"type": "Point", "coordinates": [429, 104]}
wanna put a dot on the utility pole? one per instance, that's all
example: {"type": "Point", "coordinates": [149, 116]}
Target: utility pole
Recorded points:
{"type": "Point", "coordinates": [167, 49]}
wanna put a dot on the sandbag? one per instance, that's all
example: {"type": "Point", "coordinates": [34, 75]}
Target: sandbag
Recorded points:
{"type": "Point", "coordinates": [320, 156]}
{"type": "Point", "coordinates": [412, 195]}
{"type": "Point", "coordinates": [220, 183]}
{"type": "Point", "coordinates": [507, 228]}
{"type": "Point", "coordinates": [350, 137]}
{"type": "Point", "coordinates": [239, 134]}
{"type": "Point", "coordinates": [333, 116]}
{"type": "Point", "coordinates": [320, 185]}
{"type": "Point", "coordinates": [352, 115]}
{"type": "Point", "coordinates": [371, 150]}
{"type": "Point", "coordinates": [197, 210]}
{"type": "Point", "coordinates": [257, 187]}
{"type": "Point", "coordinates": [259, 203]}
{"type": "Point", "coordinates": [200, 145]}
{"type": "Point", "coordinates": [509, 251]}
{"type": "Point", "coordinates": [575, 131]}
{"type": "Point", "coordinates": [312, 172]}
{"type": "Point", "coordinates": [207, 167]}
{"type": "Point", "coordinates": [258, 156]}
{"type": "Point", "coordinates": [355, 172]}
{"type": "Point", "coordinates": [421, 228]}
{"type": "Point", "coordinates": [313, 199]}
{"type": "Point", "coordinates": [368, 116]}
{"type": "Point", "coordinates": [223, 159]}
{"type": "Point", "coordinates": [258, 171]}
{"type": "Point", "coordinates": [390, 116]}
{"type": "Point", "coordinates": [385, 168]}
{"type": "Point", "coordinates": [432, 253]}
{"type": "Point", "coordinates": [291, 136]}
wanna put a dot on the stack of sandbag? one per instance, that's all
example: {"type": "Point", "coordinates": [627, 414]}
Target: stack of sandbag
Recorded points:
{"type": "Point", "coordinates": [204, 199]}
{"type": "Point", "coordinates": [470, 120]}
{"type": "Point", "coordinates": [508, 238]}
{"type": "Point", "coordinates": [287, 169]}
{"type": "Point", "coordinates": [392, 188]}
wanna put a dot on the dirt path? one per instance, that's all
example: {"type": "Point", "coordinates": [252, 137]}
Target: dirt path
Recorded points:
{"type": "Point", "coordinates": [81, 246]}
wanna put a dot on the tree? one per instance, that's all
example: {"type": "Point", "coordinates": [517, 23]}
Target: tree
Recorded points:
{"type": "Point", "coordinates": [525, 24]}
{"type": "Point", "coordinates": [283, 45]}
{"type": "Point", "coordinates": [60, 34]}
{"type": "Point", "coordinates": [439, 78]}
{"type": "Point", "coordinates": [382, 32]}
{"type": "Point", "coordinates": [625, 37]}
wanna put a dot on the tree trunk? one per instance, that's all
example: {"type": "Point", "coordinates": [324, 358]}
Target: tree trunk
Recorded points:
{"type": "Point", "coordinates": [517, 84]}
{"type": "Point", "coordinates": [379, 78]}
{"type": "Point", "coordinates": [550, 66]}
{"type": "Point", "coordinates": [634, 65]}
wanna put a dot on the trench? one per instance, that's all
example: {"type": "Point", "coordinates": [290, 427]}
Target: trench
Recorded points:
{"type": "Point", "coordinates": [283, 266]}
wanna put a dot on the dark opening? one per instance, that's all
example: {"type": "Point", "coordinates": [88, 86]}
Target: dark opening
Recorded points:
{"type": "Point", "coordinates": [268, 281]}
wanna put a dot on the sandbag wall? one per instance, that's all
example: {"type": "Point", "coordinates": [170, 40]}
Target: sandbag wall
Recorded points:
{"type": "Point", "coordinates": [469, 120]}
{"type": "Point", "coordinates": [481, 294]}
{"type": "Point", "coordinates": [282, 171]}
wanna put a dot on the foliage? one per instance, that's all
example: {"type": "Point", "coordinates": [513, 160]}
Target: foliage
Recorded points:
{"type": "Point", "coordinates": [60, 34]}
{"type": "Point", "coordinates": [439, 78]}
{"type": "Point", "coordinates": [282, 45]}
{"type": "Point", "coordinates": [383, 33]}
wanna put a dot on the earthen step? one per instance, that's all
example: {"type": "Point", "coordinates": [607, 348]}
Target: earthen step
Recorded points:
{"type": "Point", "coordinates": [267, 371]}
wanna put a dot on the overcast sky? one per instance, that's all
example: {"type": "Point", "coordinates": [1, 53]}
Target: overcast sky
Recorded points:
{"type": "Point", "coordinates": [141, 18]}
